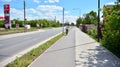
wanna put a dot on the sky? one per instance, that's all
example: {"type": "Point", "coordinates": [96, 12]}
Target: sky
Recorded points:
{"type": "Point", "coordinates": [51, 9]}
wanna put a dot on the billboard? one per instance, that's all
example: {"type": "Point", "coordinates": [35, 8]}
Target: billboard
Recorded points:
{"type": "Point", "coordinates": [7, 16]}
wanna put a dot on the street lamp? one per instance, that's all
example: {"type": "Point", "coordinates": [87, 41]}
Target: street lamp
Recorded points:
{"type": "Point", "coordinates": [98, 27]}
{"type": "Point", "coordinates": [24, 15]}
{"type": "Point", "coordinates": [63, 20]}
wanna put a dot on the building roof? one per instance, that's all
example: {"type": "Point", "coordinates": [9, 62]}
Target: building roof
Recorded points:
{"type": "Point", "coordinates": [1, 17]}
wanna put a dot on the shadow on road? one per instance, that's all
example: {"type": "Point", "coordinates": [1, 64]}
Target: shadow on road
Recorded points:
{"type": "Point", "coordinates": [49, 51]}
{"type": "Point", "coordinates": [97, 57]}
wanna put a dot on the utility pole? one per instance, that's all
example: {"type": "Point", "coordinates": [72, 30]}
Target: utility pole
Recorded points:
{"type": "Point", "coordinates": [24, 16]}
{"type": "Point", "coordinates": [63, 20]}
{"type": "Point", "coordinates": [98, 28]}
{"type": "Point", "coordinates": [55, 18]}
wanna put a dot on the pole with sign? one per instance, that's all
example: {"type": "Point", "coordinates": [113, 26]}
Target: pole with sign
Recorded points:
{"type": "Point", "coordinates": [7, 16]}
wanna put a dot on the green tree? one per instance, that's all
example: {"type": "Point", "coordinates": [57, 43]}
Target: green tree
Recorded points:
{"type": "Point", "coordinates": [111, 33]}
{"type": "Point", "coordinates": [41, 22]}
{"type": "Point", "coordinates": [79, 21]}
{"type": "Point", "coordinates": [91, 18]}
{"type": "Point", "coordinates": [20, 22]}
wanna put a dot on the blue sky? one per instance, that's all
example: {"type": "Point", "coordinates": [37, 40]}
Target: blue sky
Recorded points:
{"type": "Point", "coordinates": [48, 9]}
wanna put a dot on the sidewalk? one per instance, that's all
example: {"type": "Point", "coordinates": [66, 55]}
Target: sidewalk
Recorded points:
{"type": "Point", "coordinates": [76, 50]}
{"type": "Point", "coordinates": [90, 54]}
{"type": "Point", "coordinates": [60, 54]}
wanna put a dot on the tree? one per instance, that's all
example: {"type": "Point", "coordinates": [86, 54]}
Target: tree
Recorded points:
{"type": "Point", "coordinates": [91, 18]}
{"type": "Point", "coordinates": [79, 21]}
{"type": "Point", "coordinates": [111, 33]}
{"type": "Point", "coordinates": [41, 22]}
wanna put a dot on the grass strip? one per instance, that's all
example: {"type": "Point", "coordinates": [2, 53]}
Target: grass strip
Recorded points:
{"type": "Point", "coordinates": [11, 31]}
{"type": "Point", "coordinates": [28, 58]}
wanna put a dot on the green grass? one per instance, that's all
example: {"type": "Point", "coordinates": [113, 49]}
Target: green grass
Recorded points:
{"type": "Point", "coordinates": [26, 59]}
{"type": "Point", "coordinates": [11, 31]}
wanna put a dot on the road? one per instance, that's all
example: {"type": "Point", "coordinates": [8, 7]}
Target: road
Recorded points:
{"type": "Point", "coordinates": [11, 45]}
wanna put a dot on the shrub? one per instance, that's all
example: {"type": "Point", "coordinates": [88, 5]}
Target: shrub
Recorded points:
{"type": "Point", "coordinates": [111, 33]}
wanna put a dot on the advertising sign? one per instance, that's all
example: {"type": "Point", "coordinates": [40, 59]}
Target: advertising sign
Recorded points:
{"type": "Point", "coordinates": [6, 8]}
{"type": "Point", "coordinates": [7, 16]}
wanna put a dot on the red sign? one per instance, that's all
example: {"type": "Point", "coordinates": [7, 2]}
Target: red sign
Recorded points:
{"type": "Point", "coordinates": [6, 8]}
{"type": "Point", "coordinates": [7, 15]}
{"type": "Point", "coordinates": [7, 20]}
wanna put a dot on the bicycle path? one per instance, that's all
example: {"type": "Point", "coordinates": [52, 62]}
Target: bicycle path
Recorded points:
{"type": "Point", "coordinates": [90, 53]}
{"type": "Point", "coordinates": [76, 50]}
{"type": "Point", "coordinates": [60, 54]}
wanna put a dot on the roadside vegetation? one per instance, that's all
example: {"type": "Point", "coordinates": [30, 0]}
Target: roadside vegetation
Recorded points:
{"type": "Point", "coordinates": [42, 23]}
{"type": "Point", "coordinates": [28, 58]}
{"type": "Point", "coordinates": [34, 24]}
{"type": "Point", "coordinates": [14, 30]}
{"type": "Point", "coordinates": [88, 24]}
{"type": "Point", "coordinates": [89, 18]}
{"type": "Point", "coordinates": [110, 28]}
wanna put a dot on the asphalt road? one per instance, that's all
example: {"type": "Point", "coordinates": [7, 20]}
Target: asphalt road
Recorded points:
{"type": "Point", "coordinates": [12, 45]}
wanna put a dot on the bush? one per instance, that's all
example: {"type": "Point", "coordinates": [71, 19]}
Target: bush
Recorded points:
{"type": "Point", "coordinates": [1, 23]}
{"type": "Point", "coordinates": [111, 33]}
{"type": "Point", "coordinates": [42, 23]}
{"type": "Point", "coordinates": [93, 33]}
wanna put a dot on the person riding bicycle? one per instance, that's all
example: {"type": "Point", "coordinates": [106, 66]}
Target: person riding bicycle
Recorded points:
{"type": "Point", "coordinates": [66, 29]}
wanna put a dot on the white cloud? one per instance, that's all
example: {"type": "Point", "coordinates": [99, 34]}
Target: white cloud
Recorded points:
{"type": "Point", "coordinates": [51, 1]}
{"type": "Point", "coordinates": [6, 0]}
{"type": "Point", "coordinates": [16, 13]}
{"type": "Point", "coordinates": [32, 11]}
{"type": "Point", "coordinates": [43, 12]}
{"type": "Point", "coordinates": [37, 1]}
{"type": "Point", "coordinates": [70, 19]}
{"type": "Point", "coordinates": [49, 7]}
{"type": "Point", "coordinates": [66, 12]}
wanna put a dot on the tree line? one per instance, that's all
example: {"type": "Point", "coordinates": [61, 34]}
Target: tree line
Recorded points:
{"type": "Point", "coordinates": [42, 23]}
{"type": "Point", "coordinates": [89, 18]}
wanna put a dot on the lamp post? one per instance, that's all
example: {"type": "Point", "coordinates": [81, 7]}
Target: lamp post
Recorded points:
{"type": "Point", "coordinates": [63, 20]}
{"type": "Point", "coordinates": [24, 16]}
{"type": "Point", "coordinates": [98, 27]}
